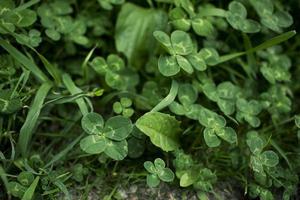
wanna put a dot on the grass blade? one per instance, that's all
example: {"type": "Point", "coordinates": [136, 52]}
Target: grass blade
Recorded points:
{"type": "Point", "coordinates": [73, 89]}
{"type": "Point", "coordinates": [32, 117]}
{"type": "Point", "coordinates": [24, 60]}
{"type": "Point", "coordinates": [168, 99]}
{"type": "Point", "coordinates": [28, 195]}
{"type": "Point", "coordinates": [63, 188]}
{"type": "Point", "coordinates": [3, 177]}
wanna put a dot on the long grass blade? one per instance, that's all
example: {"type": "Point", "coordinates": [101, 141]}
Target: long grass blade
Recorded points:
{"type": "Point", "coordinates": [73, 89]}
{"type": "Point", "coordinates": [168, 99]}
{"type": "Point", "coordinates": [28, 195]}
{"type": "Point", "coordinates": [24, 60]}
{"type": "Point", "coordinates": [32, 117]}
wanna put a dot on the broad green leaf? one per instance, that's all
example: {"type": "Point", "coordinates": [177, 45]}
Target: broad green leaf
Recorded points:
{"type": "Point", "coordinates": [134, 29]}
{"type": "Point", "coordinates": [168, 65]}
{"type": "Point", "coordinates": [238, 9]}
{"type": "Point", "coordinates": [210, 138]}
{"type": "Point", "coordinates": [184, 64]}
{"type": "Point", "coordinates": [188, 179]}
{"type": "Point", "coordinates": [269, 158]}
{"type": "Point", "coordinates": [117, 128]}
{"type": "Point", "coordinates": [163, 129]}
{"type": "Point", "coordinates": [116, 150]}
{"type": "Point", "coordinates": [187, 94]}
{"type": "Point", "coordinates": [228, 134]}
{"type": "Point", "coordinates": [165, 40]}
{"type": "Point", "coordinates": [94, 144]}
{"type": "Point", "coordinates": [203, 27]}
{"type": "Point", "coordinates": [152, 180]}
{"type": "Point", "coordinates": [197, 61]}
{"type": "Point", "coordinates": [92, 123]}
{"type": "Point", "coordinates": [166, 175]}
{"type": "Point", "coordinates": [181, 43]}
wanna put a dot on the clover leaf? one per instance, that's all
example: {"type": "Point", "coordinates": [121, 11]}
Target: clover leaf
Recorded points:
{"type": "Point", "coordinates": [117, 76]}
{"type": "Point", "coordinates": [33, 38]}
{"type": "Point", "coordinates": [109, 137]}
{"type": "Point", "coordinates": [12, 17]}
{"type": "Point", "coordinates": [9, 102]}
{"type": "Point", "coordinates": [237, 18]}
{"type": "Point", "coordinates": [183, 54]}
{"type": "Point", "coordinates": [224, 95]}
{"type": "Point", "coordinates": [274, 20]}
{"type": "Point", "coordinates": [158, 172]}
{"type": "Point", "coordinates": [200, 25]}
{"type": "Point", "coordinates": [215, 128]}
{"type": "Point", "coordinates": [248, 111]}
{"type": "Point", "coordinates": [259, 158]}
{"type": "Point", "coordinates": [187, 96]}
{"type": "Point", "coordinates": [123, 107]}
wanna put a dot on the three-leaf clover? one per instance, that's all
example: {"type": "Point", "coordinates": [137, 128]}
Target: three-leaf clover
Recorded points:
{"type": "Point", "coordinates": [237, 18]}
{"type": "Point", "coordinates": [224, 95]}
{"type": "Point", "coordinates": [259, 158]}
{"type": "Point", "coordinates": [248, 111]}
{"type": "Point", "coordinates": [117, 76]}
{"type": "Point", "coordinates": [33, 38]}
{"type": "Point", "coordinates": [123, 107]}
{"type": "Point", "coordinates": [275, 21]}
{"type": "Point", "coordinates": [187, 96]}
{"type": "Point", "coordinates": [109, 138]}
{"type": "Point", "coordinates": [18, 188]}
{"type": "Point", "coordinates": [12, 17]}
{"type": "Point", "coordinates": [182, 54]}
{"type": "Point", "coordinates": [200, 25]}
{"type": "Point", "coordinates": [158, 172]}
{"type": "Point", "coordinates": [215, 128]}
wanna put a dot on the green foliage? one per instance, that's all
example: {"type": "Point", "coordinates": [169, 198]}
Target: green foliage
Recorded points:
{"type": "Point", "coordinates": [207, 90]}
{"type": "Point", "coordinates": [158, 172]}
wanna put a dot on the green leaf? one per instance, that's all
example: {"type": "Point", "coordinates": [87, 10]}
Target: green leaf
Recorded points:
{"type": "Point", "coordinates": [297, 120]}
{"type": "Point", "coordinates": [228, 134]}
{"type": "Point", "coordinates": [210, 138]}
{"type": "Point", "coordinates": [255, 143]}
{"type": "Point", "coordinates": [94, 144]}
{"type": "Point", "coordinates": [9, 103]}
{"type": "Point", "coordinates": [168, 66]}
{"type": "Point", "coordinates": [184, 64]}
{"type": "Point", "coordinates": [16, 189]}
{"type": "Point", "coordinates": [25, 178]}
{"type": "Point", "coordinates": [159, 164]}
{"type": "Point", "coordinates": [117, 150]}
{"type": "Point", "coordinates": [203, 27]}
{"type": "Point", "coordinates": [197, 61]}
{"type": "Point", "coordinates": [152, 180]}
{"type": "Point", "coordinates": [210, 56]}
{"type": "Point", "coordinates": [99, 65]}
{"type": "Point", "coordinates": [181, 42]}
{"type": "Point", "coordinates": [164, 40]}
{"type": "Point", "coordinates": [149, 166]}
{"type": "Point", "coordinates": [134, 29]}
{"type": "Point", "coordinates": [92, 123]}
{"type": "Point", "coordinates": [117, 128]}
{"type": "Point", "coordinates": [188, 179]}
{"type": "Point", "coordinates": [166, 175]}
{"type": "Point", "coordinates": [269, 158]}
{"type": "Point", "coordinates": [187, 94]}
{"type": "Point", "coordinates": [29, 193]}
{"type": "Point", "coordinates": [162, 129]}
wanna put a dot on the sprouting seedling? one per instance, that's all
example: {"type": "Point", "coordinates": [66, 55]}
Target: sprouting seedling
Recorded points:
{"type": "Point", "coordinates": [18, 188]}
{"type": "Point", "coordinates": [109, 138]}
{"type": "Point", "coordinates": [115, 72]}
{"type": "Point", "coordinates": [215, 128]}
{"type": "Point", "coordinates": [158, 172]}
{"type": "Point", "coordinates": [224, 95]}
{"type": "Point", "coordinates": [108, 4]}
{"type": "Point", "coordinates": [123, 107]}
{"type": "Point", "coordinates": [248, 111]}
{"type": "Point", "coordinates": [182, 54]}
{"type": "Point", "coordinates": [237, 18]}
{"type": "Point", "coordinates": [259, 158]}
{"type": "Point", "coordinates": [274, 20]}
